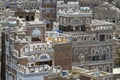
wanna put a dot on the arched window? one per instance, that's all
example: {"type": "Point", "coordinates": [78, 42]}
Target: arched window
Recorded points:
{"type": "Point", "coordinates": [101, 68]}
{"type": "Point", "coordinates": [33, 48]}
{"type": "Point", "coordinates": [93, 51]}
{"type": "Point", "coordinates": [86, 50]}
{"type": "Point", "coordinates": [108, 56]}
{"type": "Point", "coordinates": [110, 36]}
{"type": "Point", "coordinates": [81, 57]}
{"type": "Point", "coordinates": [44, 57]}
{"type": "Point", "coordinates": [100, 50]}
{"type": "Point", "coordinates": [81, 50]}
{"type": "Point", "coordinates": [108, 49]}
{"type": "Point", "coordinates": [108, 68]}
{"type": "Point", "coordinates": [76, 51]}
{"type": "Point", "coordinates": [93, 67]}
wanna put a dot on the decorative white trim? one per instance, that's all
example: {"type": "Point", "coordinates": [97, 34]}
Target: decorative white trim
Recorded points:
{"type": "Point", "coordinates": [44, 54]}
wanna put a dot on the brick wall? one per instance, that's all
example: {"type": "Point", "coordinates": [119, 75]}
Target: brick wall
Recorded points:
{"type": "Point", "coordinates": [63, 55]}
{"type": "Point", "coordinates": [23, 61]}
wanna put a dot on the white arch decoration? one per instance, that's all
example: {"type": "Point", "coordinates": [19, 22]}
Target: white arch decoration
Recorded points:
{"type": "Point", "coordinates": [44, 56]}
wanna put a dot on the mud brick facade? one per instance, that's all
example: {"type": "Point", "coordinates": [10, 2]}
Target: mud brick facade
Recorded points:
{"type": "Point", "coordinates": [63, 55]}
{"type": "Point", "coordinates": [23, 61]}
{"type": "Point", "coordinates": [29, 16]}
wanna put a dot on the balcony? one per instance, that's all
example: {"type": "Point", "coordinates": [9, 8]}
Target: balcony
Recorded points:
{"type": "Point", "coordinates": [41, 60]}
{"type": "Point", "coordinates": [37, 71]}
{"type": "Point", "coordinates": [38, 51]}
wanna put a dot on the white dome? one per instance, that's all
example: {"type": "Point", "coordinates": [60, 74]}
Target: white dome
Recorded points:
{"type": "Point", "coordinates": [36, 33]}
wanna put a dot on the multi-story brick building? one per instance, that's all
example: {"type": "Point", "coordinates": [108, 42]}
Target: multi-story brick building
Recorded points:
{"type": "Point", "coordinates": [117, 47]}
{"type": "Point", "coordinates": [36, 56]}
{"type": "Point", "coordinates": [30, 4]}
{"type": "Point", "coordinates": [48, 12]}
{"type": "Point", "coordinates": [9, 54]}
{"type": "Point", "coordinates": [24, 4]}
{"type": "Point", "coordinates": [47, 8]}
{"type": "Point", "coordinates": [28, 15]}
{"type": "Point", "coordinates": [92, 39]}
{"type": "Point", "coordinates": [107, 12]}
{"type": "Point", "coordinates": [95, 48]}
{"type": "Point", "coordinates": [71, 17]}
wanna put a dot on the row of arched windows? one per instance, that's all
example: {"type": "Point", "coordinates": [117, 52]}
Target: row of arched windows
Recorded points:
{"type": "Point", "coordinates": [105, 68]}
{"type": "Point", "coordinates": [99, 50]}
{"type": "Point", "coordinates": [40, 57]}
{"type": "Point", "coordinates": [74, 21]}
{"type": "Point", "coordinates": [36, 47]}
{"type": "Point", "coordinates": [100, 57]}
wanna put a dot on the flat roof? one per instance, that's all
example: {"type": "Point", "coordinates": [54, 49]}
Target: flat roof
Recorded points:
{"type": "Point", "coordinates": [100, 22]}
{"type": "Point", "coordinates": [116, 71]}
{"type": "Point", "coordinates": [94, 74]}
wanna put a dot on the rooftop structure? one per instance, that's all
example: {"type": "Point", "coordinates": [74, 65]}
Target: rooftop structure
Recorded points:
{"type": "Point", "coordinates": [107, 12]}
{"type": "Point", "coordinates": [80, 74]}
{"type": "Point", "coordinates": [116, 73]}
{"type": "Point", "coordinates": [92, 74]}
{"type": "Point", "coordinates": [56, 37]}
{"type": "Point", "coordinates": [72, 17]}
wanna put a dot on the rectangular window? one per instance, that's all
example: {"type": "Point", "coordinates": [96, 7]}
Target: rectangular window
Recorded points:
{"type": "Point", "coordinates": [48, 5]}
{"type": "Point", "coordinates": [48, 16]}
{"type": "Point", "coordinates": [102, 38]}
{"type": "Point", "coordinates": [83, 28]}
